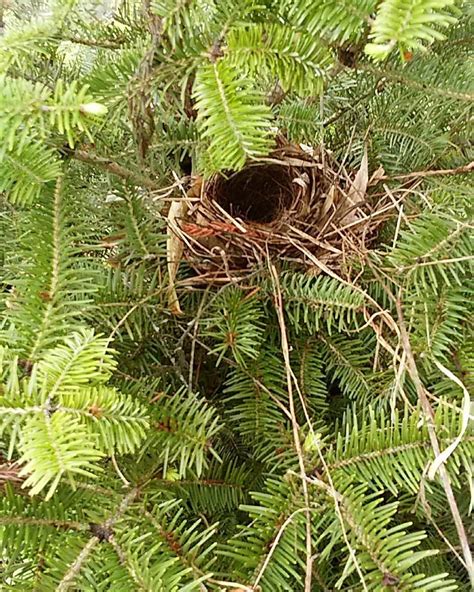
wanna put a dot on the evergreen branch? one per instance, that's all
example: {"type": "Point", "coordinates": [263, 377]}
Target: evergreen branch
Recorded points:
{"type": "Point", "coordinates": [68, 579]}
{"type": "Point", "coordinates": [55, 269]}
{"type": "Point", "coordinates": [407, 23]}
{"type": "Point", "coordinates": [327, 434]}
{"type": "Point", "coordinates": [320, 301]}
{"type": "Point", "coordinates": [135, 573]}
{"type": "Point", "coordinates": [101, 43]}
{"type": "Point", "coordinates": [25, 171]}
{"type": "Point", "coordinates": [231, 116]}
{"type": "Point", "coordinates": [185, 426]}
{"type": "Point", "coordinates": [107, 527]}
{"type": "Point", "coordinates": [235, 324]}
{"type": "Point", "coordinates": [431, 238]}
{"type": "Point", "coordinates": [275, 505]}
{"type": "Point", "coordinates": [58, 285]}
{"type": "Point", "coordinates": [171, 541]}
{"type": "Point", "coordinates": [81, 360]}
{"type": "Point", "coordinates": [323, 18]}
{"type": "Point", "coordinates": [274, 544]}
{"type": "Point", "coordinates": [53, 447]}
{"type": "Point", "coordinates": [296, 60]}
{"type": "Point", "coordinates": [136, 229]}
{"type": "Point", "coordinates": [345, 361]}
{"type": "Point", "coordinates": [66, 109]}
{"type": "Point", "coordinates": [201, 482]}
{"type": "Point", "coordinates": [395, 450]}
{"type": "Point", "coordinates": [30, 521]}
{"type": "Point", "coordinates": [423, 86]}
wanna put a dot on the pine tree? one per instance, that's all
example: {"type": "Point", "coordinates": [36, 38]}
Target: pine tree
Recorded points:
{"type": "Point", "coordinates": [288, 429]}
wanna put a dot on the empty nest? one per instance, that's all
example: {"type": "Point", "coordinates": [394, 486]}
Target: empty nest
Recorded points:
{"type": "Point", "coordinates": [298, 205]}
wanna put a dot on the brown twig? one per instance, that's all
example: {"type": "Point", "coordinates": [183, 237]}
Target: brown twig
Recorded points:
{"type": "Point", "coordinates": [275, 542]}
{"type": "Point", "coordinates": [100, 43]}
{"type": "Point", "coordinates": [427, 409]}
{"type": "Point", "coordinates": [461, 170]}
{"type": "Point", "coordinates": [114, 168]}
{"type": "Point", "coordinates": [294, 422]}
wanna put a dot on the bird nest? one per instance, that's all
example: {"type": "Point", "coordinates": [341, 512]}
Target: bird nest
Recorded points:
{"type": "Point", "coordinates": [298, 205]}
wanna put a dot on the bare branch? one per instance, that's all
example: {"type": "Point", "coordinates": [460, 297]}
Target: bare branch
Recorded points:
{"type": "Point", "coordinates": [461, 170]}
{"type": "Point", "coordinates": [114, 168]}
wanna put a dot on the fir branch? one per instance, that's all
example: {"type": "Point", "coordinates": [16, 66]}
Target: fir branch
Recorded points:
{"type": "Point", "coordinates": [310, 430]}
{"type": "Point", "coordinates": [236, 122]}
{"type": "Point", "coordinates": [107, 527]}
{"type": "Point", "coordinates": [415, 84]}
{"type": "Point", "coordinates": [30, 521]}
{"type": "Point", "coordinates": [68, 579]}
{"type": "Point", "coordinates": [100, 43]}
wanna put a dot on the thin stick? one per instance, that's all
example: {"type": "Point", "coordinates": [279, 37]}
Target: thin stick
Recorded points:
{"type": "Point", "coordinates": [275, 542]}
{"type": "Point", "coordinates": [426, 406]}
{"type": "Point", "coordinates": [438, 262]}
{"type": "Point", "coordinates": [336, 496]}
{"type": "Point", "coordinates": [461, 170]}
{"type": "Point", "coordinates": [294, 422]}
{"type": "Point", "coordinates": [119, 472]}
{"type": "Point", "coordinates": [114, 168]}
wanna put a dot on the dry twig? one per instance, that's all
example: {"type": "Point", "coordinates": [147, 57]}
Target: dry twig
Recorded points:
{"type": "Point", "coordinates": [294, 422]}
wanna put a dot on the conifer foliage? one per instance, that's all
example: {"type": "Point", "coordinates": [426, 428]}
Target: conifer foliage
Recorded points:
{"type": "Point", "coordinates": [291, 429]}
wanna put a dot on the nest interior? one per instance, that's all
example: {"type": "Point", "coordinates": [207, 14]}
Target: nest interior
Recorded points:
{"type": "Point", "coordinates": [296, 205]}
{"type": "Point", "coordinates": [257, 194]}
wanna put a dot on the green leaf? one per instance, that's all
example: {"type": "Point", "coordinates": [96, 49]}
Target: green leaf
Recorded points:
{"type": "Point", "coordinates": [25, 171]}
{"type": "Point", "coordinates": [54, 447]}
{"type": "Point", "coordinates": [297, 60]}
{"type": "Point", "coordinates": [81, 360]}
{"type": "Point", "coordinates": [407, 24]}
{"type": "Point", "coordinates": [232, 117]}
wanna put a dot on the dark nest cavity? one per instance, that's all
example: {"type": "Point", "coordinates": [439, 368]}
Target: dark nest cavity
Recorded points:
{"type": "Point", "coordinates": [256, 194]}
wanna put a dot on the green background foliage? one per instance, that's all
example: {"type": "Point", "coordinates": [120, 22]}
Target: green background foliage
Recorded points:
{"type": "Point", "coordinates": [142, 450]}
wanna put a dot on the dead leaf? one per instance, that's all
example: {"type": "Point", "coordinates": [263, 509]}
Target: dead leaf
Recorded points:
{"type": "Point", "coordinates": [358, 188]}
{"type": "Point", "coordinates": [377, 176]}
{"type": "Point", "coordinates": [174, 251]}
{"type": "Point", "coordinates": [112, 240]}
{"type": "Point", "coordinates": [302, 180]}
{"type": "Point", "coordinates": [196, 187]}
{"type": "Point", "coordinates": [465, 415]}
{"type": "Point", "coordinates": [328, 202]}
